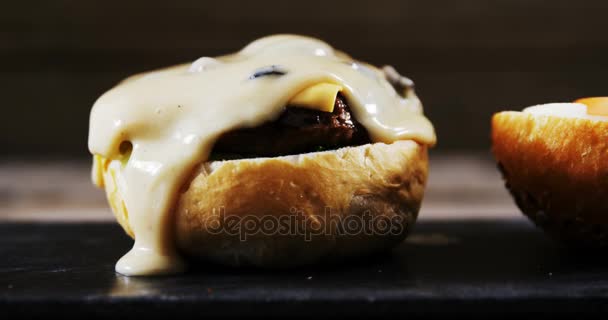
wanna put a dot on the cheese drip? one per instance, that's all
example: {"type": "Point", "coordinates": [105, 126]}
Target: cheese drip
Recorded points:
{"type": "Point", "coordinates": [171, 119]}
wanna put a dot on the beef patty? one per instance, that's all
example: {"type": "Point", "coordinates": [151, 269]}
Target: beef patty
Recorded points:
{"type": "Point", "coordinates": [297, 130]}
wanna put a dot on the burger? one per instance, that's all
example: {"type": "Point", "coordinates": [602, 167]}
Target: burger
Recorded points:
{"type": "Point", "coordinates": [553, 159]}
{"type": "Point", "coordinates": [286, 153]}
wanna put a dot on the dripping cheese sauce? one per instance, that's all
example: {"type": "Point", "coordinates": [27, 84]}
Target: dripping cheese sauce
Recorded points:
{"type": "Point", "coordinates": [152, 129]}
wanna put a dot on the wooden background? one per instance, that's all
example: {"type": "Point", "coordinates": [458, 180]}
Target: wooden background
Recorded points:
{"type": "Point", "coordinates": [469, 58]}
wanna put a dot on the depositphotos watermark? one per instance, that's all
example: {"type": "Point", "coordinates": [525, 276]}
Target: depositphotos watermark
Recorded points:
{"type": "Point", "coordinates": [297, 223]}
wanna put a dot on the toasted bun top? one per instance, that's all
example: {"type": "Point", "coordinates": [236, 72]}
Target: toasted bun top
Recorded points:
{"type": "Point", "coordinates": [555, 168]}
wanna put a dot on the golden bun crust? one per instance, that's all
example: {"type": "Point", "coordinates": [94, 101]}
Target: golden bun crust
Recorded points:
{"type": "Point", "coordinates": [556, 168]}
{"type": "Point", "coordinates": [305, 202]}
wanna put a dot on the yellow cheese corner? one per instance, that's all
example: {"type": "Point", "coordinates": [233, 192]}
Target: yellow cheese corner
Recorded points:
{"type": "Point", "coordinates": [320, 97]}
{"type": "Point", "coordinates": [596, 106]}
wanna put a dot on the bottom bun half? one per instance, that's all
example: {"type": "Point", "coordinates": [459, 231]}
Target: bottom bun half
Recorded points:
{"type": "Point", "coordinates": [556, 170]}
{"type": "Point", "coordinates": [300, 209]}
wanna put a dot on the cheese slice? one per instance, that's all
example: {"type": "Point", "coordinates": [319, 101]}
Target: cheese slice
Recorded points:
{"type": "Point", "coordinates": [320, 97]}
{"type": "Point", "coordinates": [596, 106]}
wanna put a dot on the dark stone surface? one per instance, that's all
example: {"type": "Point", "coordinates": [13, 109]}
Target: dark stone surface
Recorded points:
{"type": "Point", "coordinates": [501, 267]}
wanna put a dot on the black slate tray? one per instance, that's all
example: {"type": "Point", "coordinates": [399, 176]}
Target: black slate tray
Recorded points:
{"type": "Point", "coordinates": [488, 268]}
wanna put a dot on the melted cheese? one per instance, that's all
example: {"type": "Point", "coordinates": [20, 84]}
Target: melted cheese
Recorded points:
{"type": "Point", "coordinates": [596, 106]}
{"type": "Point", "coordinates": [172, 118]}
{"type": "Point", "coordinates": [564, 110]}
